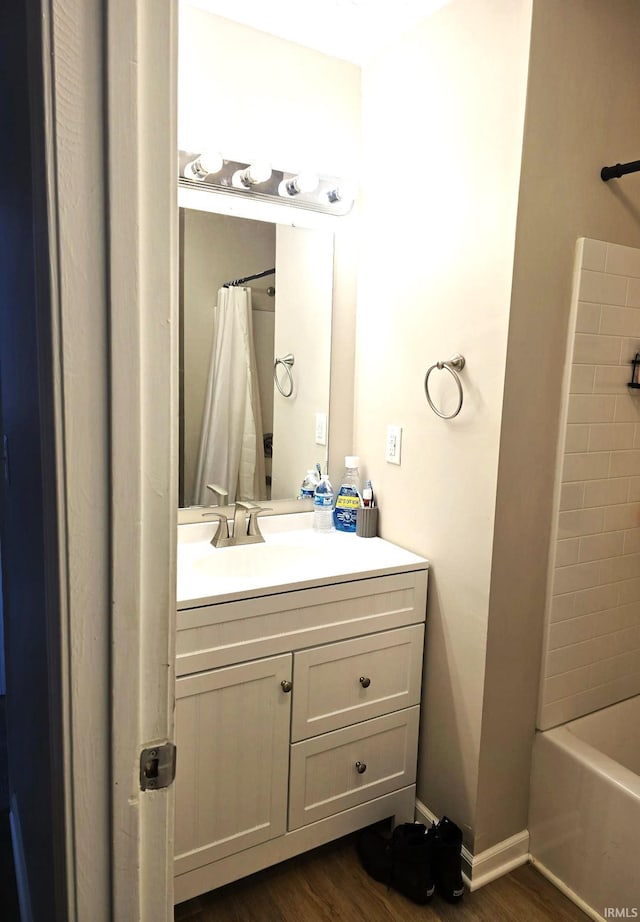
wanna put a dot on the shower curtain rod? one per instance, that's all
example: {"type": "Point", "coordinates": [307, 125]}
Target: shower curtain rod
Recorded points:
{"type": "Point", "coordinates": [249, 278]}
{"type": "Point", "coordinates": [620, 169]}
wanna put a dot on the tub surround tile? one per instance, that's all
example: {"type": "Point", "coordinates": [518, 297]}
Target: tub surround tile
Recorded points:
{"type": "Point", "coordinates": [608, 436]}
{"type": "Point", "coordinates": [595, 349]}
{"type": "Point", "coordinates": [592, 408]}
{"type": "Point", "coordinates": [568, 552]}
{"type": "Point", "coordinates": [582, 522]}
{"type": "Point", "coordinates": [588, 319]}
{"type": "Point", "coordinates": [622, 516]}
{"type": "Point", "coordinates": [597, 599]}
{"type": "Point", "coordinates": [580, 466]}
{"type": "Point", "coordinates": [611, 379]}
{"type": "Point", "coordinates": [602, 287]}
{"type": "Point", "coordinates": [619, 321]}
{"type": "Point", "coordinates": [633, 293]}
{"type": "Point", "coordinates": [624, 463]}
{"type": "Point", "coordinates": [632, 541]}
{"type": "Point", "coordinates": [619, 260]}
{"type": "Point", "coordinates": [572, 496]}
{"type": "Point", "coordinates": [608, 492]}
{"type": "Point", "coordinates": [571, 632]}
{"type": "Point", "coordinates": [597, 547]}
{"type": "Point", "coordinates": [592, 655]}
{"type": "Point", "coordinates": [594, 254]}
{"type": "Point", "coordinates": [627, 408]}
{"type": "Point", "coordinates": [577, 437]}
{"type": "Point", "coordinates": [562, 606]}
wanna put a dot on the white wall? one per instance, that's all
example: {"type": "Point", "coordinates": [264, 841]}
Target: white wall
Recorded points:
{"type": "Point", "coordinates": [443, 112]}
{"type": "Point", "coordinates": [253, 95]}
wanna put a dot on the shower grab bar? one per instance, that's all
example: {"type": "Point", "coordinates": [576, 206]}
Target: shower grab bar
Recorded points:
{"type": "Point", "coordinates": [286, 361]}
{"type": "Point", "coordinates": [453, 365]}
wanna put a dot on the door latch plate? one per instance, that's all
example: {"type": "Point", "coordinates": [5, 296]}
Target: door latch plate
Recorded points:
{"type": "Point", "coordinates": [157, 767]}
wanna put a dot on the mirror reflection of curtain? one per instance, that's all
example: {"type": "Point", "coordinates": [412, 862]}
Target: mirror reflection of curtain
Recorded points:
{"type": "Point", "coordinates": [231, 441]}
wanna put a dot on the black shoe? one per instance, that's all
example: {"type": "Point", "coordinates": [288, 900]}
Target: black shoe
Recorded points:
{"type": "Point", "coordinates": [445, 840]}
{"type": "Point", "coordinates": [411, 862]}
{"type": "Point", "coordinates": [374, 851]}
{"type": "Point", "coordinates": [402, 862]}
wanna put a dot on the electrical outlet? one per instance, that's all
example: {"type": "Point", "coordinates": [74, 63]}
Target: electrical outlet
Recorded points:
{"type": "Point", "coordinates": [394, 444]}
{"type": "Point", "coordinates": [321, 428]}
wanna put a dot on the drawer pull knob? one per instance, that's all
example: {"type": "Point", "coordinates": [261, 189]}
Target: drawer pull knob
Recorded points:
{"type": "Point", "coordinates": [286, 685]}
{"type": "Point", "coordinates": [365, 681]}
{"type": "Point", "coordinates": [361, 767]}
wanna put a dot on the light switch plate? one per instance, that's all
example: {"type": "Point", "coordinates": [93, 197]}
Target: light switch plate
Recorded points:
{"type": "Point", "coordinates": [321, 428]}
{"type": "Point", "coordinates": [394, 444]}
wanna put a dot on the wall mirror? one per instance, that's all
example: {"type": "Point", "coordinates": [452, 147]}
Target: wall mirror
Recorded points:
{"type": "Point", "coordinates": [254, 357]}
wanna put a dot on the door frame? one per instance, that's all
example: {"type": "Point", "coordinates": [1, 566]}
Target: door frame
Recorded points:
{"type": "Point", "coordinates": [110, 90]}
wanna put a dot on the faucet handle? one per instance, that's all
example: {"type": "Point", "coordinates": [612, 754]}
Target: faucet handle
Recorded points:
{"type": "Point", "coordinates": [254, 512]}
{"type": "Point", "coordinates": [222, 532]}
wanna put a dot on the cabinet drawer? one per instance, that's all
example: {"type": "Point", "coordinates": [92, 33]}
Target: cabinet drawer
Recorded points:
{"type": "Point", "coordinates": [233, 632]}
{"type": "Point", "coordinates": [324, 771]}
{"type": "Point", "coordinates": [342, 683]}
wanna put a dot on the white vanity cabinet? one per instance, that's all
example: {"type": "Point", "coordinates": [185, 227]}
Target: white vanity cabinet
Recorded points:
{"type": "Point", "coordinates": [296, 721]}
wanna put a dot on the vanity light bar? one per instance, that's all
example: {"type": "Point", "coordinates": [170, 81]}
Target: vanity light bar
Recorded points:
{"type": "Point", "coordinates": [326, 194]}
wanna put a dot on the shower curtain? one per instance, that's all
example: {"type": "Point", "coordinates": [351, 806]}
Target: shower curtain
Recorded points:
{"type": "Point", "coordinates": [231, 447]}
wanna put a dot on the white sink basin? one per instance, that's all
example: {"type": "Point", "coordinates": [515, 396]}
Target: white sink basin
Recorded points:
{"type": "Point", "coordinates": [292, 556]}
{"type": "Point", "coordinates": [254, 561]}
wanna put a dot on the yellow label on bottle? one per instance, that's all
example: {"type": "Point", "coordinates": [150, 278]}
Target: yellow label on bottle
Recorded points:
{"type": "Point", "coordinates": [347, 502]}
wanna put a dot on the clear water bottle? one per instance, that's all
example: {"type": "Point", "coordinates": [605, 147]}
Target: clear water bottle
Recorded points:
{"type": "Point", "coordinates": [309, 485]}
{"type": "Point", "coordinates": [348, 498]}
{"type": "Point", "coordinates": [323, 505]}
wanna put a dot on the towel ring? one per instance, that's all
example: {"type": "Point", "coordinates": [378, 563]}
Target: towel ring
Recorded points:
{"type": "Point", "coordinates": [453, 365]}
{"type": "Point", "coordinates": [286, 361]}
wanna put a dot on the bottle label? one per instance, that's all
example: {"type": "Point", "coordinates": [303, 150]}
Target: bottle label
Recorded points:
{"type": "Point", "coordinates": [323, 499]}
{"type": "Point", "coordinates": [346, 510]}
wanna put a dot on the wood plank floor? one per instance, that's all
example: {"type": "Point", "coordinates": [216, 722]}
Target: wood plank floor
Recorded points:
{"type": "Point", "coordinates": [329, 885]}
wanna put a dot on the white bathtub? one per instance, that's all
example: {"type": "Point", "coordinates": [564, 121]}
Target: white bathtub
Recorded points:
{"type": "Point", "coordinates": [584, 820]}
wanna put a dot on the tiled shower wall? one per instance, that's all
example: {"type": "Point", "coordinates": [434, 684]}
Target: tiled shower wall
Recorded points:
{"type": "Point", "coordinates": [592, 636]}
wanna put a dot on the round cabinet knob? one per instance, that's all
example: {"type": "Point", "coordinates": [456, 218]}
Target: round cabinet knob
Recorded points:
{"type": "Point", "coordinates": [365, 681]}
{"type": "Point", "coordinates": [286, 685]}
{"type": "Point", "coordinates": [361, 767]}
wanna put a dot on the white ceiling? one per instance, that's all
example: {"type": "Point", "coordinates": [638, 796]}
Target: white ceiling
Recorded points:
{"type": "Point", "coordinates": [349, 29]}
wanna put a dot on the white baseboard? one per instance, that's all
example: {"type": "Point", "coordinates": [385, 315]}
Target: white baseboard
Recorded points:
{"type": "Point", "coordinates": [481, 869]}
{"type": "Point", "coordinates": [20, 867]}
{"type": "Point", "coordinates": [568, 892]}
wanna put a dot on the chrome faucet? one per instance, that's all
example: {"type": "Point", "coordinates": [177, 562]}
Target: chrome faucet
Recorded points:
{"type": "Point", "coordinates": [246, 529]}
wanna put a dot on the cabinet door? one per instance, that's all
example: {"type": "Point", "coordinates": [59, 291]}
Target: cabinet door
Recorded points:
{"type": "Point", "coordinates": [232, 734]}
{"type": "Point", "coordinates": [343, 683]}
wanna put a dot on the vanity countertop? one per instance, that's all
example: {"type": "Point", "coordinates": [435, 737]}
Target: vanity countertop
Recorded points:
{"type": "Point", "coordinates": [293, 556]}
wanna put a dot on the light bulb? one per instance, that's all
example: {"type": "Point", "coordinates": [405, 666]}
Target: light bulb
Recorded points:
{"type": "Point", "coordinates": [257, 172]}
{"type": "Point", "coordinates": [303, 182]}
{"type": "Point", "coordinates": [203, 165]}
{"type": "Point", "coordinates": [344, 192]}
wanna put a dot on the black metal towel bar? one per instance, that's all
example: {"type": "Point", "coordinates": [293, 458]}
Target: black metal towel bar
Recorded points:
{"type": "Point", "coordinates": [620, 169]}
{"type": "Point", "coordinates": [249, 278]}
